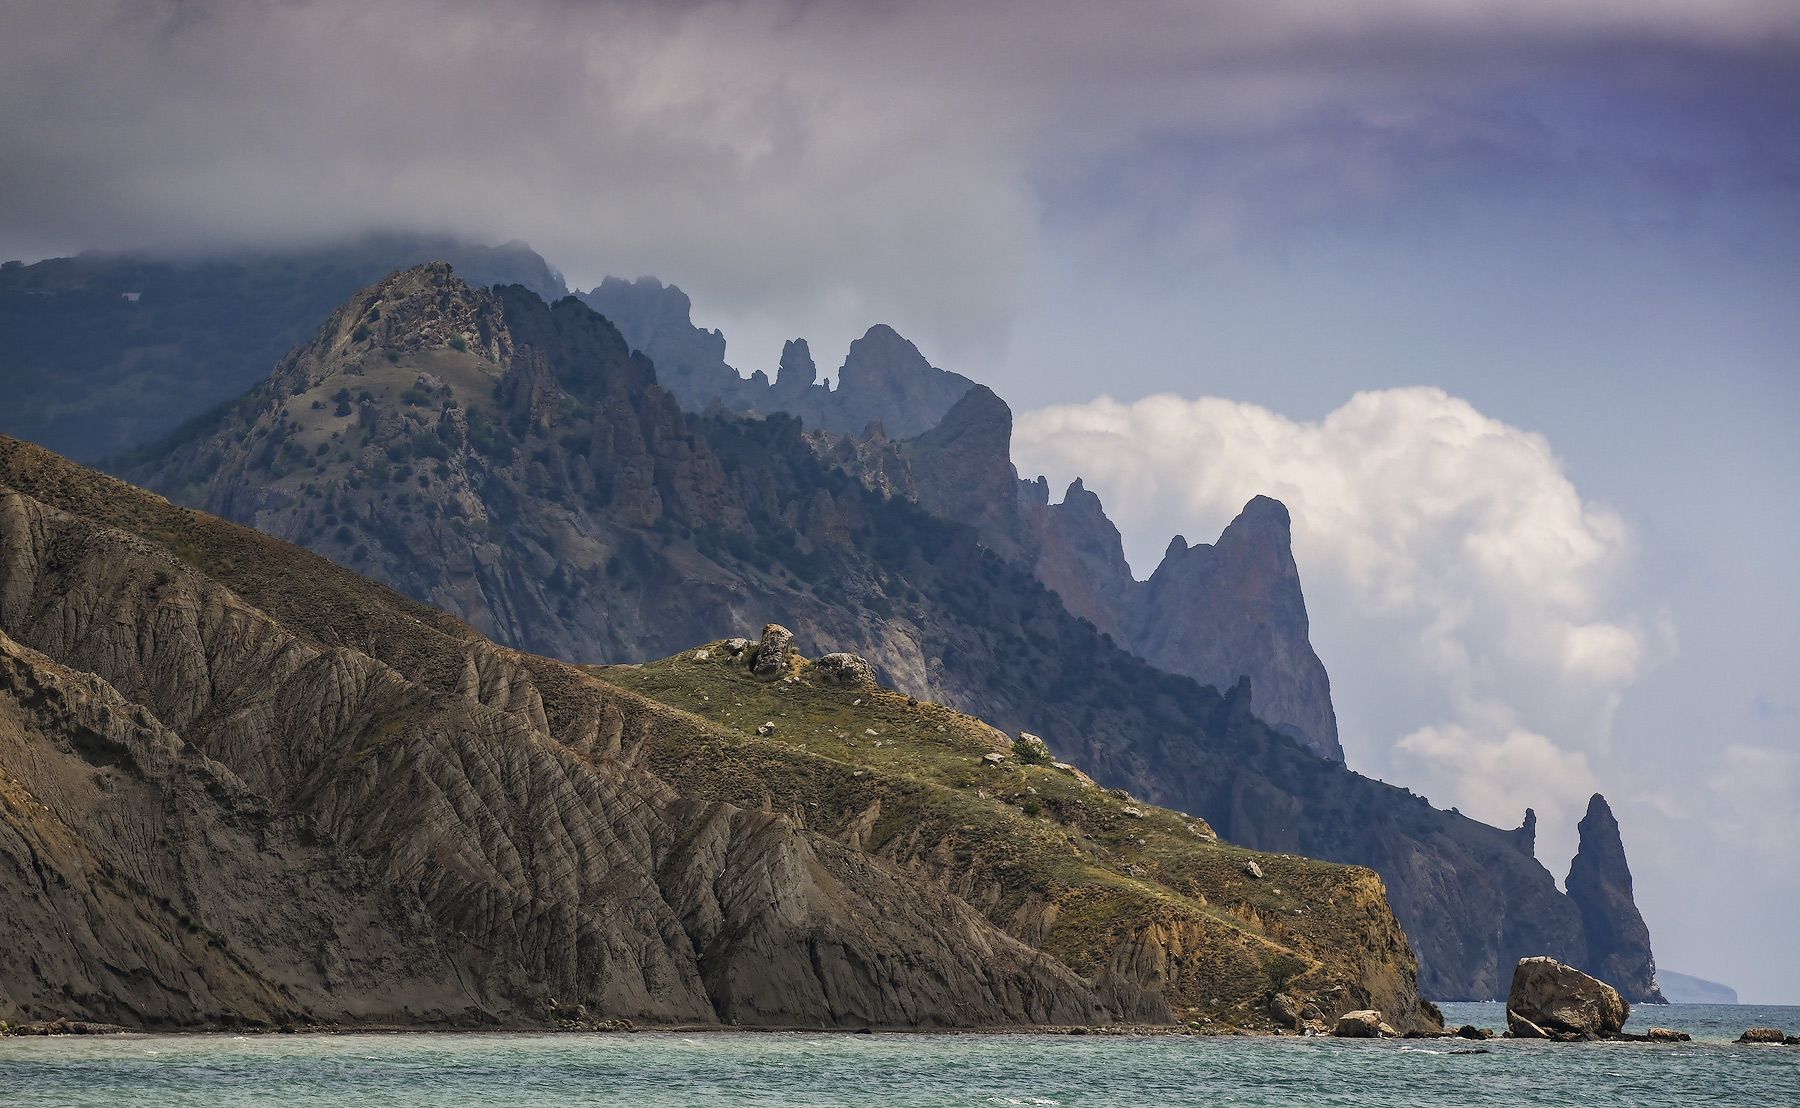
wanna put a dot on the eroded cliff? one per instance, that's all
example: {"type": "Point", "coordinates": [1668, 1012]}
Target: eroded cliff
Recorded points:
{"type": "Point", "coordinates": [242, 784]}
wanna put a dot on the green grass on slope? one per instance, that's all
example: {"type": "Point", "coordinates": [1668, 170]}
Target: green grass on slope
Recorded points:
{"type": "Point", "coordinates": [1078, 870]}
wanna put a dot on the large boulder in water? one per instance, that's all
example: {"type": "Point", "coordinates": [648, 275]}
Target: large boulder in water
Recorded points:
{"type": "Point", "coordinates": [1363, 1024]}
{"type": "Point", "coordinates": [1550, 1000]}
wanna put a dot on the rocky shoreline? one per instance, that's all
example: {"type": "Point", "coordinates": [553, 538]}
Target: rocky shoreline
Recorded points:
{"type": "Point", "coordinates": [1352, 1025]}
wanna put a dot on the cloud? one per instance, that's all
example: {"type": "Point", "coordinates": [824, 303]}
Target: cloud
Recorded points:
{"type": "Point", "coordinates": [843, 162]}
{"type": "Point", "coordinates": [1461, 588]}
{"type": "Point", "coordinates": [1501, 776]}
{"type": "Point", "coordinates": [1753, 789]}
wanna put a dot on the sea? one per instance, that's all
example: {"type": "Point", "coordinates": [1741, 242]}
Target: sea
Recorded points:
{"type": "Point", "coordinates": [652, 1069]}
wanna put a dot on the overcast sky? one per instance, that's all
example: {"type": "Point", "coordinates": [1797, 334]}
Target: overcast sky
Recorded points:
{"type": "Point", "coordinates": [1498, 295]}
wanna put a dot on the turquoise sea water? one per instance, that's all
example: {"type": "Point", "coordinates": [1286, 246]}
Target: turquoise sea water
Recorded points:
{"type": "Point", "coordinates": [654, 1069]}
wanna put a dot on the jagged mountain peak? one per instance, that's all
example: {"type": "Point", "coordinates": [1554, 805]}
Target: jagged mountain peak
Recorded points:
{"type": "Point", "coordinates": [796, 371]}
{"type": "Point", "coordinates": [1235, 607]}
{"type": "Point", "coordinates": [1083, 503]}
{"type": "Point", "coordinates": [1262, 512]}
{"type": "Point", "coordinates": [979, 412]}
{"type": "Point", "coordinates": [882, 351]}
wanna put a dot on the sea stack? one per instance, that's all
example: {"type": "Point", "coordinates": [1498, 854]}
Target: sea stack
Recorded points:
{"type": "Point", "coordinates": [1618, 942]}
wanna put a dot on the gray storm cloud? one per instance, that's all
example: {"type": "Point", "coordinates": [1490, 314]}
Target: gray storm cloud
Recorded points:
{"type": "Point", "coordinates": [839, 162]}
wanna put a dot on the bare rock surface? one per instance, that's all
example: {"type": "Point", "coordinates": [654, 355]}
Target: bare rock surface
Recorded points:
{"type": "Point", "coordinates": [1551, 1000]}
{"type": "Point", "coordinates": [774, 654]}
{"type": "Point", "coordinates": [1361, 1024]}
{"type": "Point", "coordinates": [844, 670]}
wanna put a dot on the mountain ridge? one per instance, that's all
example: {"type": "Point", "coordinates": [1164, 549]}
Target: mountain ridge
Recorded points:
{"type": "Point", "coordinates": [520, 843]}
{"type": "Point", "coordinates": [562, 491]}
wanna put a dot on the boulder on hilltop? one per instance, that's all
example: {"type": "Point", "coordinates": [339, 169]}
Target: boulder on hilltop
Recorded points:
{"type": "Point", "coordinates": [774, 653]}
{"type": "Point", "coordinates": [844, 670]}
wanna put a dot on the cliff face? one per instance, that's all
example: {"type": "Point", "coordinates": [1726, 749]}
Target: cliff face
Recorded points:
{"type": "Point", "coordinates": [1080, 556]}
{"type": "Point", "coordinates": [884, 379]}
{"type": "Point", "coordinates": [240, 784]}
{"type": "Point", "coordinates": [1618, 942]}
{"type": "Point", "coordinates": [515, 464]}
{"type": "Point", "coordinates": [1211, 612]}
{"type": "Point", "coordinates": [1235, 608]}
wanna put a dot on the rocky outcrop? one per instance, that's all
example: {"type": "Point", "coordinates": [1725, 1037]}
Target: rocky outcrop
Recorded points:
{"type": "Point", "coordinates": [885, 378]}
{"type": "Point", "coordinates": [1599, 883]}
{"type": "Point", "coordinates": [796, 375]}
{"type": "Point", "coordinates": [1212, 612]}
{"type": "Point", "coordinates": [1080, 556]}
{"type": "Point", "coordinates": [963, 471]}
{"type": "Point", "coordinates": [1763, 1035]}
{"type": "Point", "coordinates": [1551, 1000]}
{"type": "Point", "coordinates": [774, 654]}
{"type": "Point", "coordinates": [1362, 1024]}
{"type": "Point", "coordinates": [657, 319]}
{"type": "Point", "coordinates": [843, 670]}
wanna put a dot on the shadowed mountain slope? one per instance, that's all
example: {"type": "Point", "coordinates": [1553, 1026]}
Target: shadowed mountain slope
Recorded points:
{"type": "Point", "coordinates": [241, 784]}
{"type": "Point", "coordinates": [514, 463]}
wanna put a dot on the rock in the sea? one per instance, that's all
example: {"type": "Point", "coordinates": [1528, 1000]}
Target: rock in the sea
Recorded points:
{"type": "Point", "coordinates": [1763, 1035]}
{"type": "Point", "coordinates": [773, 653]}
{"type": "Point", "coordinates": [1470, 1031]}
{"type": "Point", "coordinates": [1667, 1035]}
{"type": "Point", "coordinates": [1364, 1023]}
{"type": "Point", "coordinates": [844, 670]}
{"type": "Point", "coordinates": [1551, 1000]}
